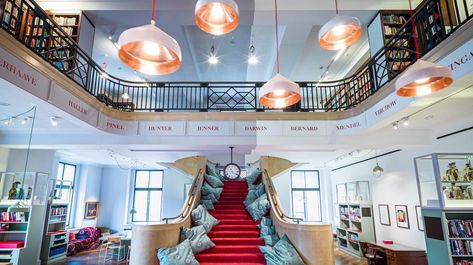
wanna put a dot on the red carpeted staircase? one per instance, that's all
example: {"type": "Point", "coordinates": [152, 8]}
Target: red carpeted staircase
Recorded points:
{"type": "Point", "coordinates": [237, 236]}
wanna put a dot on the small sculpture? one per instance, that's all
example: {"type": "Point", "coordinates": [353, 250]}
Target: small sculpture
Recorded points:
{"type": "Point", "coordinates": [452, 172]}
{"type": "Point", "coordinates": [468, 172]}
{"type": "Point", "coordinates": [466, 195]}
{"type": "Point", "coordinates": [457, 193]}
{"type": "Point", "coordinates": [16, 192]}
{"type": "Point", "coordinates": [448, 193]}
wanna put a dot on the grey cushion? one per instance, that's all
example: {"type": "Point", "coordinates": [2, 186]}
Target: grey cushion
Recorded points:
{"type": "Point", "coordinates": [210, 197]}
{"type": "Point", "coordinates": [266, 230]}
{"type": "Point", "coordinates": [251, 178]}
{"type": "Point", "coordinates": [266, 221]}
{"type": "Point", "coordinates": [214, 181]}
{"type": "Point", "coordinates": [207, 189]}
{"type": "Point", "coordinates": [250, 197]}
{"type": "Point", "coordinates": [270, 240]}
{"type": "Point", "coordinates": [259, 207]}
{"type": "Point", "coordinates": [198, 238]}
{"type": "Point", "coordinates": [179, 255]}
{"type": "Point", "coordinates": [210, 169]}
{"type": "Point", "coordinates": [207, 204]}
{"type": "Point", "coordinates": [260, 190]}
{"type": "Point", "coordinates": [200, 216]}
{"type": "Point", "coordinates": [281, 253]}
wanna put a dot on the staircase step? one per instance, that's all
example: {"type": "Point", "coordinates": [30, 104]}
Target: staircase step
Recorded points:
{"type": "Point", "coordinates": [232, 216]}
{"type": "Point", "coordinates": [234, 249]}
{"type": "Point", "coordinates": [237, 222]}
{"type": "Point", "coordinates": [233, 263]}
{"type": "Point", "coordinates": [239, 203]}
{"type": "Point", "coordinates": [221, 227]}
{"type": "Point", "coordinates": [230, 234]}
{"type": "Point", "coordinates": [228, 211]}
{"type": "Point", "coordinates": [234, 257]}
{"type": "Point", "coordinates": [231, 199]}
{"type": "Point", "coordinates": [238, 241]}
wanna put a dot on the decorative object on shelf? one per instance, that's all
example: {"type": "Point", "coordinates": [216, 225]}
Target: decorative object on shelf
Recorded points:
{"type": "Point", "coordinates": [422, 78]}
{"type": "Point", "coordinates": [149, 50]}
{"type": "Point", "coordinates": [402, 217]}
{"type": "Point", "coordinates": [279, 92]}
{"type": "Point", "coordinates": [339, 32]}
{"type": "Point", "coordinates": [420, 222]}
{"type": "Point", "coordinates": [384, 217]}
{"type": "Point", "coordinates": [468, 172]}
{"type": "Point", "coordinates": [91, 210]}
{"type": "Point", "coordinates": [217, 17]}
{"type": "Point", "coordinates": [232, 170]}
{"type": "Point", "coordinates": [388, 242]}
{"type": "Point", "coordinates": [452, 172]}
{"type": "Point", "coordinates": [16, 192]}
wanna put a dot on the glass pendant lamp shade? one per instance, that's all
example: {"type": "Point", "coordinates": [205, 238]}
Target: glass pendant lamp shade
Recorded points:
{"type": "Point", "coordinates": [377, 170]}
{"type": "Point", "coordinates": [149, 50]}
{"type": "Point", "coordinates": [339, 32]}
{"type": "Point", "coordinates": [217, 17]}
{"type": "Point", "coordinates": [423, 78]}
{"type": "Point", "coordinates": [279, 92]}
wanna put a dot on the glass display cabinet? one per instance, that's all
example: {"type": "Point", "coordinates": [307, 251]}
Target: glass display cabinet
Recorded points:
{"type": "Point", "coordinates": [23, 188]}
{"type": "Point", "coordinates": [353, 192]}
{"type": "Point", "coordinates": [445, 180]}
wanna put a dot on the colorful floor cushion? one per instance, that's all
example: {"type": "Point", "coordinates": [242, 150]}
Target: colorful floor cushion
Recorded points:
{"type": "Point", "coordinates": [198, 238]}
{"type": "Point", "coordinates": [251, 178]}
{"type": "Point", "coordinates": [259, 207]}
{"type": "Point", "coordinates": [179, 255]}
{"type": "Point", "coordinates": [86, 238]}
{"type": "Point", "coordinates": [208, 204]}
{"type": "Point", "coordinates": [214, 181]}
{"type": "Point", "coordinates": [200, 216]}
{"type": "Point", "coordinates": [281, 253]}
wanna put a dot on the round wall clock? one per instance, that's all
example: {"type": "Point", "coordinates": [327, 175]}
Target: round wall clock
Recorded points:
{"type": "Point", "coordinates": [232, 171]}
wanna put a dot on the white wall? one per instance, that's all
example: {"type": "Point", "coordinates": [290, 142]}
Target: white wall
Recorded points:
{"type": "Point", "coordinates": [173, 192]}
{"type": "Point", "coordinates": [87, 189]}
{"type": "Point", "coordinates": [398, 185]}
{"type": "Point", "coordinates": [4, 159]}
{"type": "Point", "coordinates": [39, 161]}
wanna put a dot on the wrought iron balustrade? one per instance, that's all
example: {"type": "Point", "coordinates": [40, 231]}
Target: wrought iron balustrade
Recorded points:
{"type": "Point", "coordinates": [435, 20]}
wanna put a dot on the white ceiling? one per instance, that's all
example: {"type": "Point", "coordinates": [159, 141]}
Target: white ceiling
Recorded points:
{"type": "Point", "coordinates": [301, 57]}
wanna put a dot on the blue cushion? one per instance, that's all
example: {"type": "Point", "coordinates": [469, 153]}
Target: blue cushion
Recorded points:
{"type": "Point", "coordinates": [210, 197]}
{"type": "Point", "coordinates": [198, 238]}
{"type": "Point", "coordinates": [266, 221]}
{"type": "Point", "coordinates": [266, 230]}
{"type": "Point", "coordinates": [217, 192]}
{"type": "Point", "coordinates": [281, 253]}
{"type": "Point", "coordinates": [207, 189]}
{"type": "Point", "coordinates": [200, 216]}
{"type": "Point", "coordinates": [270, 240]}
{"type": "Point", "coordinates": [181, 254]}
{"type": "Point", "coordinates": [251, 178]}
{"type": "Point", "coordinates": [214, 181]}
{"type": "Point", "coordinates": [260, 190]}
{"type": "Point", "coordinates": [250, 197]}
{"type": "Point", "coordinates": [207, 204]}
{"type": "Point", "coordinates": [210, 169]}
{"type": "Point", "coordinates": [258, 208]}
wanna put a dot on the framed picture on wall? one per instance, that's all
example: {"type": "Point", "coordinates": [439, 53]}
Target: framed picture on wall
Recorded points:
{"type": "Point", "coordinates": [420, 222]}
{"type": "Point", "coordinates": [91, 210]}
{"type": "Point", "coordinates": [384, 217]}
{"type": "Point", "coordinates": [402, 217]}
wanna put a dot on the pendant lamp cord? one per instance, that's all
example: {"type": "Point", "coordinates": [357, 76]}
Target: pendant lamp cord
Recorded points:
{"type": "Point", "coordinates": [277, 34]}
{"type": "Point", "coordinates": [414, 31]}
{"type": "Point", "coordinates": [153, 10]}
{"type": "Point", "coordinates": [336, 6]}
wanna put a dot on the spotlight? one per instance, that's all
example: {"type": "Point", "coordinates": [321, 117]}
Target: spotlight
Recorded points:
{"type": "Point", "coordinates": [7, 122]}
{"type": "Point", "coordinates": [125, 96]}
{"type": "Point", "coordinates": [26, 120]}
{"type": "Point", "coordinates": [110, 37]}
{"type": "Point", "coordinates": [405, 122]}
{"type": "Point", "coordinates": [252, 59]}
{"type": "Point", "coordinates": [396, 125]}
{"type": "Point", "coordinates": [54, 121]}
{"type": "Point", "coordinates": [213, 59]}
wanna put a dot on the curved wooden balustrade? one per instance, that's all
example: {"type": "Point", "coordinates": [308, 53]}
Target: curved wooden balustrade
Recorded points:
{"type": "Point", "coordinates": [314, 242]}
{"type": "Point", "coordinates": [148, 237]}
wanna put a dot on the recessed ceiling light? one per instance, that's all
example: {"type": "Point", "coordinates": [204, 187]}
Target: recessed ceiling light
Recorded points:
{"type": "Point", "coordinates": [110, 37]}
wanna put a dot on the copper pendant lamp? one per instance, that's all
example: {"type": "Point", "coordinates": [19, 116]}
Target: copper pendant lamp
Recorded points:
{"type": "Point", "coordinates": [422, 78]}
{"type": "Point", "coordinates": [279, 92]}
{"type": "Point", "coordinates": [217, 17]}
{"type": "Point", "coordinates": [149, 50]}
{"type": "Point", "coordinates": [339, 32]}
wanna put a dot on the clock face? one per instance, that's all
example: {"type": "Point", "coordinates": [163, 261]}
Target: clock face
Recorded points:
{"type": "Point", "coordinates": [232, 171]}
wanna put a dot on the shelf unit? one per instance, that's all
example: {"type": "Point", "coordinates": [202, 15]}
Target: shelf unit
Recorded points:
{"type": "Point", "coordinates": [356, 224]}
{"type": "Point", "coordinates": [445, 195]}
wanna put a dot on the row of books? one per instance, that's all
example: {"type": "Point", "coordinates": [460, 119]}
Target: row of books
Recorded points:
{"type": "Point", "coordinates": [68, 30]}
{"type": "Point", "coordinates": [393, 19]}
{"type": "Point", "coordinates": [460, 228]}
{"type": "Point", "coordinates": [55, 211]}
{"type": "Point", "coordinates": [12, 217]}
{"type": "Point", "coordinates": [463, 262]}
{"type": "Point", "coordinates": [65, 20]}
{"type": "Point", "coordinates": [461, 247]}
{"type": "Point", "coordinates": [390, 30]}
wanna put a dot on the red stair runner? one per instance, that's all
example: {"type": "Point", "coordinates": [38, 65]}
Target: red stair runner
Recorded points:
{"type": "Point", "coordinates": [237, 236]}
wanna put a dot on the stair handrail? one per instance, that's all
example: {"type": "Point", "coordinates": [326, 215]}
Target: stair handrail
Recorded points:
{"type": "Point", "coordinates": [190, 200]}
{"type": "Point", "coordinates": [274, 198]}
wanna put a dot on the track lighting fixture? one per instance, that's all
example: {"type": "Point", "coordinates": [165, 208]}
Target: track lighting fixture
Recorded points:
{"type": "Point", "coordinates": [217, 17]}
{"type": "Point", "coordinates": [252, 59]}
{"type": "Point", "coordinates": [213, 59]}
{"type": "Point", "coordinates": [396, 125]}
{"type": "Point", "coordinates": [405, 121]}
{"type": "Point", "coordinates": [54, 121]}
{"type": "Point", "coordinates": [25, 120]}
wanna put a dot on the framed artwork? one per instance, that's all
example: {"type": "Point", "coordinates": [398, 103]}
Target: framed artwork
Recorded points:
{"type": "Point", "coordinates": [402, 217]}
{"type": "Point", "coordinates": [420, 222]}
{"type": "Point", "coordinates": [91, 210]}
{"type": "Point", "coordinates": [384, 217]}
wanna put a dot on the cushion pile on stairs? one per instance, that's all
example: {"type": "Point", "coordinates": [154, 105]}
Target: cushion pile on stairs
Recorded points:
{"type": "Point", "coordinates": [236, 236]}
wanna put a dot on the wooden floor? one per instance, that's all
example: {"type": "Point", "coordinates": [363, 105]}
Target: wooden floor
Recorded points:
{"type": "Point", "coordinates": [91, 258]}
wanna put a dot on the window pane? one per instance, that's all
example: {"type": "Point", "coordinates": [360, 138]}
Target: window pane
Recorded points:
{"type": "Point", "coordinates": [297, 179]}
{"type": "Point", "coordinates": [60, 170]}
{"type": "Point", "coordinates": [155, 206]}
{"type": "Point", "coordinates": [142, 179]}
{"type": "Point", "coordinates": [312, 179]}
{"type": "Point", "coordinates": [140, 205]}
{"type": "Point", "coordinates": [156, 179]}
{"type": "Point", "coordinates": [313, 211]}
{"type": "Point", "coordinates": [69, 172]}
{"type": "Point", "coordinates": [298, 204]}
{"type": "Point", "coordinates": [243, 174]}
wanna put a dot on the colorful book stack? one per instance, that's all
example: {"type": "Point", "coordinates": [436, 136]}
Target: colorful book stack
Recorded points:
{"type": "Point", "coordinates": [58, 211]}
{"type": "Point", "coordinates": [460, 228]}
{"type": "Point", "coordinates": [461, 239]}
{"type": "Point", "coordinates": [344, 213]}
{"type": "Point", "coordinates": [355, 214]}
{"type": "Point", "coordinates": [463, 262]}
{"type": "Point", "coordinates": [12, 217]}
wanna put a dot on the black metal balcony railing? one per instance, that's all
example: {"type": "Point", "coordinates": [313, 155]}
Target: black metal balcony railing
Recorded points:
{"type": "Point", "coordinates": [28, 23]}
